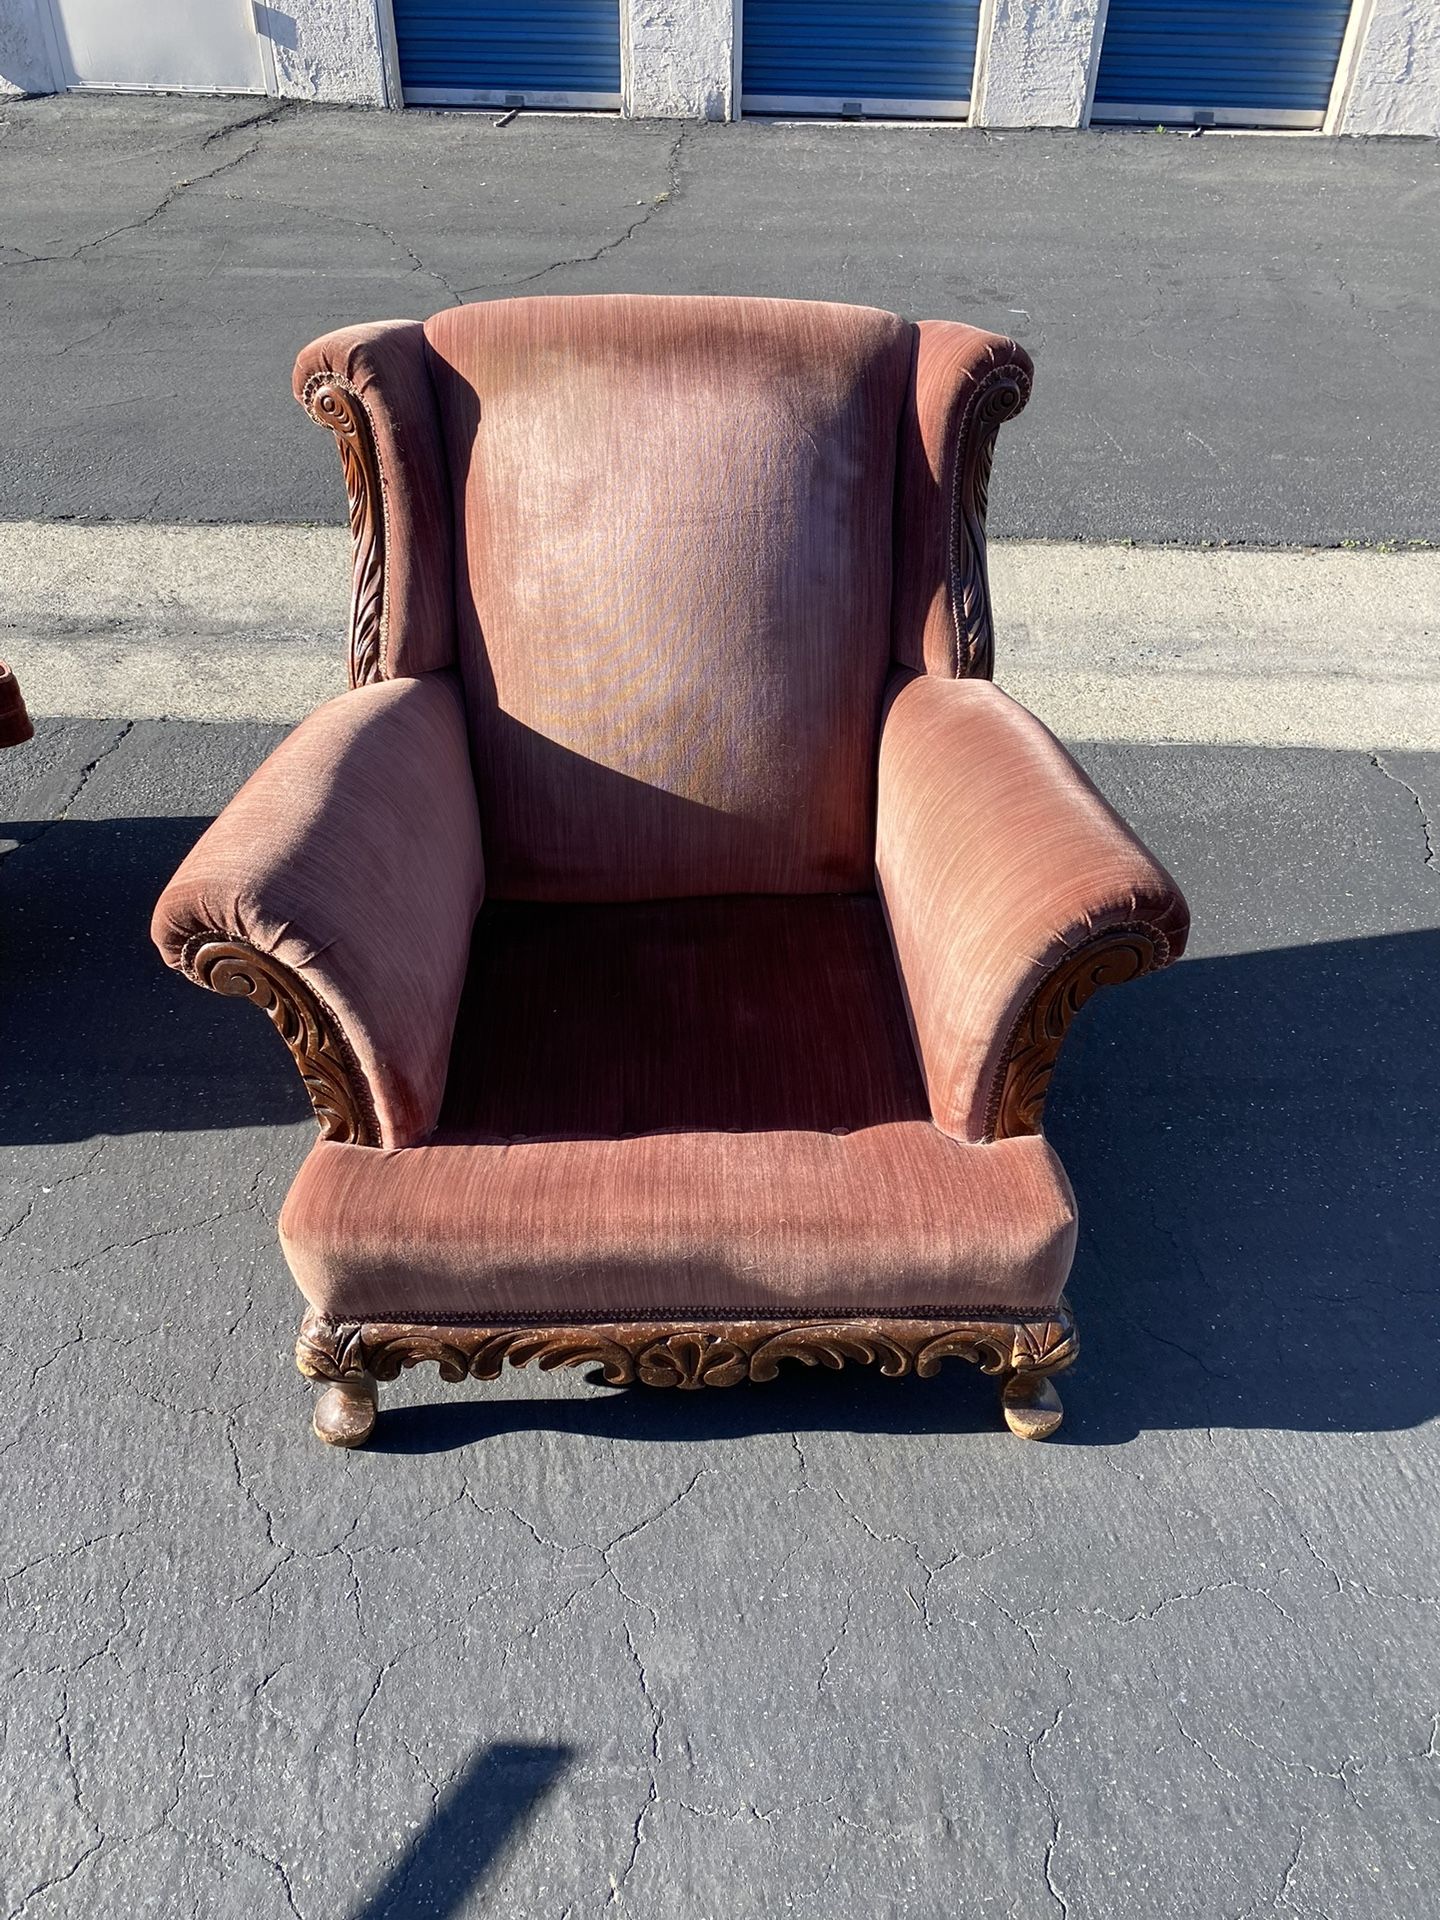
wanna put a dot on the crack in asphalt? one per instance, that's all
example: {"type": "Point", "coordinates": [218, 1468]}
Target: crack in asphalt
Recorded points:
{"type": "Point", "coordinates": [652, 1797]}
{"type": "Point", "coordinates": [834, 1646]}
{"type": "Point", "coordinates": [173, 193]}
{"type": "Point", "coordinates": [98, 1836]}
{"type": "Point", "coordinates": [44, 1192]}
{"type": "Point", "coordinates": [161, 1233]}
{"type": "Point", "coordinates": [1282, 1892]}
{"type": "Point", "coordinates": [1033, 1746]}
{"type": "Point", "coordinates": [667, 197]}
{"type": "Point", "coordinates": [331, 215]}
{"type": "Point", "coordinates": [1432, 853]}
{"type": "Point", "coordinates": [82, 780]}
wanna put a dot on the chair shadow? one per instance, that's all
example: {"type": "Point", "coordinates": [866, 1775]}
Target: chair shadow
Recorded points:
{"type": "Point", "coordinates": [96, 1034]}
{"type": "Point", "coordinates": [1255, 1144]}
{"type": "Point", "coordinates": [473, 1821]}
{"type": "Point", "coordinates": [1254, 1140]}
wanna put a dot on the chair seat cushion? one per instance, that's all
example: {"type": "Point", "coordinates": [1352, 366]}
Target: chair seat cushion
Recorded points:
{"type": "Point", "coordinates": [681, 1109]}
{"type": "Point", "coordinates": [752, 1012]}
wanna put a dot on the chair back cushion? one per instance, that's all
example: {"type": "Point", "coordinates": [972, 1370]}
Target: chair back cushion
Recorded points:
{"type": "Point", "coordinates": [674, 532]}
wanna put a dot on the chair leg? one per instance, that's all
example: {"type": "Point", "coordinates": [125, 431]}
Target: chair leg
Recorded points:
{"type": "Point", "coordinates": [345, 1412]}
{"type": "Point", "coordinates": [1031, 1405]}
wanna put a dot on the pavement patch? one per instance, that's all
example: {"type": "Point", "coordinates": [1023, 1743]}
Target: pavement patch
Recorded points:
{"type": "Point", "coordinates": [1326, 648]}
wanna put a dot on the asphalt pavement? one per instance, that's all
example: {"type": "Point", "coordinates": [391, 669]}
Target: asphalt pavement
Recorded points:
{"type": "Point", "coordinates": [836, 1647]}
{"type": "Point", "coordinates": [1236, 338]}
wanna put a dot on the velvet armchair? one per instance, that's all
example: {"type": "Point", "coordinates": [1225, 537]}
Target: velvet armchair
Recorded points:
{"type": "Point", "coordinates": [674, 926]}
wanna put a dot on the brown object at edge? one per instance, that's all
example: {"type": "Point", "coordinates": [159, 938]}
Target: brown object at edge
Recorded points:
{"type": "Point", "coordinates": [16, 725]}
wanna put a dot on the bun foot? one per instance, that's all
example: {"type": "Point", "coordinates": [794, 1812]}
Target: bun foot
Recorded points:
{"type": "Point", "coordinates": [1031, 1405]}
{"type": "Point", "coordinates": [345, 1412]}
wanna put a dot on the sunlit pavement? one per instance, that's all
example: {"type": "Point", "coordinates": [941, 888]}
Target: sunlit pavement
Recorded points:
{"type": "Point", "coordinates": [835, 1646]}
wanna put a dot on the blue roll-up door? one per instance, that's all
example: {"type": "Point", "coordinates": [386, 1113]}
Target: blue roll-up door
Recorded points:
{"type": "Point", "coordinates": [499, 53]}
{"type": "Point", "coordinates": [1236, 62]}
{"type": "Point", "coordinates": [885, 57]}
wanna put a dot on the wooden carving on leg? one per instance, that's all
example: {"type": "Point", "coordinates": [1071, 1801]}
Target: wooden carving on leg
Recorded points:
{"type": "Point", "coordinates": [1022, 1352]}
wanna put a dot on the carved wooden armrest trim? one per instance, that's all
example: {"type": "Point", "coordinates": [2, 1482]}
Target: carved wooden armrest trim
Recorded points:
{"type": "Point", "coordinates": [698, 1353]}
{"type": "Point", "coordinates": [332, 402]}
{"type": "Point", "coordinates": [1017, 1101]}
{"type": "Point", "coordinates": [999, 396]}
{"type": "Point", "coordinates": [332, 1075]}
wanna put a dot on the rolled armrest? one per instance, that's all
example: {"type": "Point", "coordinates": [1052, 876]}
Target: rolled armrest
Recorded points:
{"type": "Point", "coordinates": [338, 890]}
{"type": "Point", "coordinates": [1012, 890]}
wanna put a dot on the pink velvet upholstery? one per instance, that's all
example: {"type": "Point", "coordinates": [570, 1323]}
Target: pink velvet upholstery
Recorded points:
{"type": "Point", "coordinates": [892, 1219]}
{"type": "Point", "coordinates": [385, 366]}
{"type": "Point", "coordinates": [353, 858]}
{"type": "Point", "coordinates": [995, 855]}
{"type": "Point", "coordinates": [711, 1014]}
{"type": "Point", "coordinates": [718, 1110]}
{"type": "Point", "coordinates": [704, 1015]}
{"type": "Point", "coordinates": [725, 1039]}
{"type": "Point", "coordinates": [675, 522]}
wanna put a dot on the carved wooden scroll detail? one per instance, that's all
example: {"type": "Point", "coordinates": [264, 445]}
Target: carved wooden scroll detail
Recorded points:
{"type": "Point", "coordinates": [999, 396]}
{"type": "Point", "coordinates": [333, 403]}
{"type": "Point", "coordinates": [1119, 954]}
{"type": "Point", "coordinates": [700, 1354]}
{"type": "Point", "coordinates": [329, 1069]}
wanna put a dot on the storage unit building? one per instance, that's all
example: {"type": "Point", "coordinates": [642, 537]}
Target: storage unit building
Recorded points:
{"type": "Point", "coordinates": [888, 58]}
{"type": "Point", "coordinates": [493, 53]}
{"type": "Point", "coordinates": [169, 44]}
{"type": "Point", "coordinates": [1262, 63]}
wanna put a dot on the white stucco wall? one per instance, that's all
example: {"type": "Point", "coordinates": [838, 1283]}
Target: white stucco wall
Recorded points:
{"type": "Point", "coordinates": [679, 59]}
{"type": "Point", "coordinates": [1035, 68]}
{"type": "Point", "coordinates": [1035, 71]}
{"type": "Point", "coordinates": [327, 50]}
{"type": "Point", "coordinates": [24, 49]}
{"type": "Point", "coordinates": [1395, 83]}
